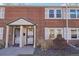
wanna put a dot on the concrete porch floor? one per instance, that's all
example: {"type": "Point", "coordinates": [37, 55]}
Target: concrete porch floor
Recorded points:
{"type": "Point", "coordinates": [15, 51]}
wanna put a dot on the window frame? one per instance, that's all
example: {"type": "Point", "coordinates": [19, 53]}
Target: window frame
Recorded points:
{"type": "Point", "coordinates": [77, 29]}
{"type": "Point", "coordinates": [2, 13]}
{"type": "Point", "coordinates": [51, 13]}
{"type": "Point", "coordinates": [73, 13]}
{"type": "Point", "coordinates": [58, 13]}
{"type": "Point", "coordinates": [74, 33]}
{"type": "Point", "coordinates": [2, 33]}
{"type": "Point", "coordinates": [47, 13]}
{"type": "Point", "coordinates": [47, 32]}
{"type": "Point", "coordinates": [76, 13]}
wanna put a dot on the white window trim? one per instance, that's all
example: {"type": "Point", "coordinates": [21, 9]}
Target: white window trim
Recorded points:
{"type": "Point", "coordinates": [68, 13]}
{"type": "Point", "coordinates": [55, 29]}
{"type": "Point", "coordinates": [77, 34]}
{"type": "Point", "coordinates": [47, 13]}
{"type": "Point", "coordinates": [3, 13]}
{"type": "Point", "coordinates": [64, 34]}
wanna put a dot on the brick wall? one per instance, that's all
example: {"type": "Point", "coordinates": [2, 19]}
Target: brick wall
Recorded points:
{"type": "Point", "coordinates": [35, 15]}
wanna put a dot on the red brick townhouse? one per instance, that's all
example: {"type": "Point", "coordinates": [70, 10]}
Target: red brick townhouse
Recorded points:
{"type": "Point", "coordinates": [24, 25]}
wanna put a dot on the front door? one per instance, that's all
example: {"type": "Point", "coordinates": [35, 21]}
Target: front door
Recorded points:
{"type": "Point", "coordinates": [17, 36]}
{"type": "Point", "coordinates": [30, 36]}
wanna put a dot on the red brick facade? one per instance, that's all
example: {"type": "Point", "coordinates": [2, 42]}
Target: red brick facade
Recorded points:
{"type": "Point", "coordinates": [37, 16]}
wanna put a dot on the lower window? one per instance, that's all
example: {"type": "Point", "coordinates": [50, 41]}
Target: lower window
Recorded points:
{"type": "Point", "coordinates": [51, 33]}
{"type": "Point", "coordinates": [73, 33]}
{"type": "Point", "coordinates": [1, 33]}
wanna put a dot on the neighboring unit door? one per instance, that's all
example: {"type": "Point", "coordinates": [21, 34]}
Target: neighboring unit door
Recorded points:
{"type": "Point", "coordinates": [30, 36]}
{"type": "Point", "coordinates": [17, 36]}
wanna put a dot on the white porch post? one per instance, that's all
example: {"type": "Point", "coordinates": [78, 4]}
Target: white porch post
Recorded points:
{"type": "Point", "coordinates": [21, 35]}
{"type": "Point", "coordinates": [34, 36]}
{"type": "Point", "coordinates": [7, 36]}
{"type": "Point", "coordinates": [13, 35]}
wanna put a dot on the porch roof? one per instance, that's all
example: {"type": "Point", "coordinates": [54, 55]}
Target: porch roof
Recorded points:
{"type": "Point", "coordinates": [21, 22]}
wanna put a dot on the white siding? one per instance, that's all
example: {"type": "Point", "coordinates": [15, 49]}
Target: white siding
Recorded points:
{"type": "Point", "coordinates": [46, 33]}
{"type": "Point", "coordinates": [67, 33]}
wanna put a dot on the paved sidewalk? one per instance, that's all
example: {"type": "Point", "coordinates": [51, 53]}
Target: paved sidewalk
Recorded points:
{"type": "Point", "coordinates": [14, 51]}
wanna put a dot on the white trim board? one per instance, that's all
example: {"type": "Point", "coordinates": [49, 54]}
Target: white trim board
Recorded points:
{"type": "Point", "coordinates": [21, 22]}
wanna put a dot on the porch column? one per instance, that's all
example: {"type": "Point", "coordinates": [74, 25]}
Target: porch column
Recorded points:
{"type": "Point", "coordinates": [13, 36]}
{"type": "Point", "coordinates": [7, 36]}
{"type": "Point", "coordinates": [34, 36]}
{"type": "Point", "coordinates": [21, 35]}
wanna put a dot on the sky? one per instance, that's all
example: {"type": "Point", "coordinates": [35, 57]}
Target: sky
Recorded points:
{"type": "Point", "coordinates": [32, 4]}
{"type": "Point", "coordinates": [38, 4]}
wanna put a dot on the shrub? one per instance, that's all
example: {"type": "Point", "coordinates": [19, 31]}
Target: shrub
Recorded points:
{"type": "Point", "coordinates": [45, 44]}
{"type": "Point", "coordinates": [59, 42]}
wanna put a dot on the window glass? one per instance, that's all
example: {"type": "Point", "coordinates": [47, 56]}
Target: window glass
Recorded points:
{"type": "Point", "coordinates": [2, 13]}
{"type": "Point", "coordinates": [77, 13]}
{"type": "Point", "coordinates": [72, 13]}
{"type": "Point", "coordinates": [73, 33]}
{"type": "Point", "coordinates": [78, 33]}
{"type": "Point", "coordinates": [52, 33]}
{"type": "Point", "coordinates": [58, 13]}
{"type": "Point", "coordinates": [59, 31]}
{"type": "Point", "coordinates": [1, 33]}
{"type": "Point", "coordinates": [51, 13]}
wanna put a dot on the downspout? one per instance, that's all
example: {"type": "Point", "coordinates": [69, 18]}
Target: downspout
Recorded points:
{"type": "Point", "coordinates": [67, 22]}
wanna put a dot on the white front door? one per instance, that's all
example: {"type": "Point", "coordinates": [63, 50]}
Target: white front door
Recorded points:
{"type": "Point", "coordinates": [17, 35]}
{"type": "Point", "coordinates": [30, 35]}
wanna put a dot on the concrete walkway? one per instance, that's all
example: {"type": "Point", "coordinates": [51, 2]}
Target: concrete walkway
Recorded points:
{"type": "Point", "coordinates": [14, 51]}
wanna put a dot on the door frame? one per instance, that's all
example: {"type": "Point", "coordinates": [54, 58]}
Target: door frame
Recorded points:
{"type": "Point", "coordinates": [27, 35]}
{"type": "Point", "coordinates": [34, 36]}
{"type": "Point", "coordinates": [14, 28]}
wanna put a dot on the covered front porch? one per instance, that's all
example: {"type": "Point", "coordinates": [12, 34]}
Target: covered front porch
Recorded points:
{"type": "Point", "coordinates": [20, 33]}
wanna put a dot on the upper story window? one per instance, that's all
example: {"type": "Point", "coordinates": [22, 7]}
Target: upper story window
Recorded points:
{"type": "Point", "coordinates": [51, 13]}
{"type": "Point", "coordinates": [58, 13]}
{"type": "Point", "coordinates": [77, 13]}
{"type": "Point", "coordinates": [74, 13]}
{"type": "Point", "coordinates": [2, 12]}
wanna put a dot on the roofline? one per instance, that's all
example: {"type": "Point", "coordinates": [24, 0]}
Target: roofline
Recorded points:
{"type": "Point", "coordinates": [46, 6]}
{"type": "Point", "coordinates": [40, 4]}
